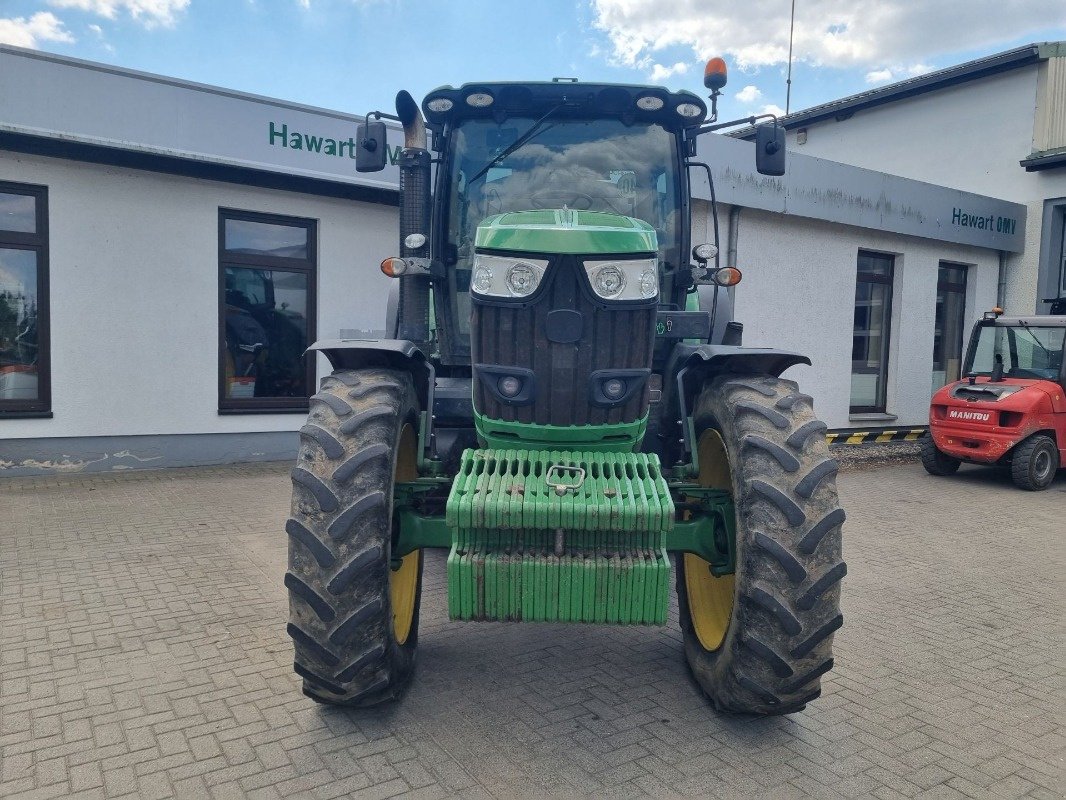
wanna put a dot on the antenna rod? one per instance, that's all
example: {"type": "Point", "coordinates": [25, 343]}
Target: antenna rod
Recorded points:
{"type": "Point", "coordinates": [788, 83]}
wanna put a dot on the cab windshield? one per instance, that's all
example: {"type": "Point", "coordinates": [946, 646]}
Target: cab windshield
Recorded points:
{"type": "Point", "coordinates": [531, 163]}
{"type": "Point", "coordinates": [1026, 351]}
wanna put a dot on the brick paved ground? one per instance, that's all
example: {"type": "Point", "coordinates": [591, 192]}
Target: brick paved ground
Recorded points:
{"type": "Point", "coordinates": [143, 653]}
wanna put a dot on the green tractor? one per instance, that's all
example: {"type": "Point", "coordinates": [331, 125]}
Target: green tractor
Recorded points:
{"type": "Point", "coordinates": [562, 404]}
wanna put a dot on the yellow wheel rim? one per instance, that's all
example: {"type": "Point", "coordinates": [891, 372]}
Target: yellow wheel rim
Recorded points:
{"type": "Point", "coordinates": [710, 599]}
{"type": "Point", "coordinates": [403, 581]}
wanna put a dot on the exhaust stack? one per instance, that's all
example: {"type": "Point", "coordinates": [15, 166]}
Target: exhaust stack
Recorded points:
{"type": "Point", "coordinates": [413, 309]}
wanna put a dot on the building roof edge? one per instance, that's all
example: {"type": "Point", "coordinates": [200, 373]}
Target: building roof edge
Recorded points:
{"type": "Point", "coordinates": [97, 66]}
{"type": "Point", "coordinates": [922, 84]}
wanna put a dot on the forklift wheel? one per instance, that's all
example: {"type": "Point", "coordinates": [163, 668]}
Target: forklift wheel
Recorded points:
{"type": "Point", "coordinates": [353, 613]}
{"type": "Point", "coordinates": [1034, 463]}
{"type": "Point", "coordinates": [759, 641]}
{"type": "Point", "coordinates": [936, 461]}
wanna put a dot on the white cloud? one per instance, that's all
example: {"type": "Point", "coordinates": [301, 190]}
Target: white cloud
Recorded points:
{"type": "Point", "coordinates": [41, 27]}
{"type": "Point", "coordinates": [838, 33]}
{"type": "Point", "coordinates": [749, 94]}
{"type": "Point", "coordinates": [661, 73]}
{"type": "Point", "coordinates": [149, 13]}
{"type": "Point", "coordinates": [772, 108]}
{"type": "Point", "coordinates": [897, 72]}
{"type": "Point", "coordinates": [102, 37]}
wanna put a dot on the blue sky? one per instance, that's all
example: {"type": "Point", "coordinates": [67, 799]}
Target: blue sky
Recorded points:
{"type": "Point", "coordinates": [353, 55]}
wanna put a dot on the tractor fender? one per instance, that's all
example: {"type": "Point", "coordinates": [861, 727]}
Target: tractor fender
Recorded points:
{"type": "Point", "coordinates": [398, 354]}
{"type": "Point", "coordinates": [691, 365]}
{"type": "Point", "coordinates": [392, 310]}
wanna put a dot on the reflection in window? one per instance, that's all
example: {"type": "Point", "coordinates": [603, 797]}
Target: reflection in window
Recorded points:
{"type": "Point", "coordinates": [24, 375]}
{"type": "Point", "coordinates": [267, 282]}
{"type": "Point", "coordinates": [18, 212]}
{"type": "Point", "coordinates": [266, 333]}
{"type": "Point", "coordinates": [281, 241]}
{"type": "Point", "coordinates": [870, 337]}
{"type": "Point", "coordinates": [950, 320]}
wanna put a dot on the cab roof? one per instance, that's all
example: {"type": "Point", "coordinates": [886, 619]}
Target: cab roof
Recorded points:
{"type": "Point", "coordinates": [565, 98]}
{"type": "Point", "coordinates": [1040, 321]}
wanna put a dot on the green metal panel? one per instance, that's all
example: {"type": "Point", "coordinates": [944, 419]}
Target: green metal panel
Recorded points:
{"type": "Point", "coordinates": [620, 437]}
{"type": "Point", "coordinates": [505, 518]}
{"type": "Point", "coordinates": [566, 231]}
{"type": "Point", "coordinates": [710, 528]}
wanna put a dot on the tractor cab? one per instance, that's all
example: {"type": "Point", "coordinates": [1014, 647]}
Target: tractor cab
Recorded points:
{"type": "Point", "coordinates": [558, 146]}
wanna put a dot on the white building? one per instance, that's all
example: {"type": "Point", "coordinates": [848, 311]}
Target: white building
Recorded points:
{"type": "Point", "coordinates": [142, 219]}
{"type": "Point", "coordinates": [994, 126]}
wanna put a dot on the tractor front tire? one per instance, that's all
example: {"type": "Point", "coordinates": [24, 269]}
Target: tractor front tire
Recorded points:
{"type": "Point", "coordinates": [353, 612]}
{"type": "Point", "coordinates": [1034, 463]}
{"type": "Point", "coordinates": [758, 641]}
{"type": "Point", "coordinates": [935, 460]}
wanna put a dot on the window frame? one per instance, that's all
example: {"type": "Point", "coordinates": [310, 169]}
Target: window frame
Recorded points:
{"type": "Point", "coordinates": [38, 243]}
{"type": "Point", "coordinates": [308, 266]}
{"type": "Point", "coordinates": [881, 405]}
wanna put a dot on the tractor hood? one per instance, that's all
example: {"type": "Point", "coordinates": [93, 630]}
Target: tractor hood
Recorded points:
{"type": "Point", "coordinates": [566, 231]}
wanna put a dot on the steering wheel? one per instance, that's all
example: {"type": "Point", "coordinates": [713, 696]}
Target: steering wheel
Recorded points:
{"type": "Point", "coordinates": [553, 198]}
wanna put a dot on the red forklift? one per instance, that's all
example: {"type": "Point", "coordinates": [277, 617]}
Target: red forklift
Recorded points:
{"type": "Point", "coordinates": [1010, 408]}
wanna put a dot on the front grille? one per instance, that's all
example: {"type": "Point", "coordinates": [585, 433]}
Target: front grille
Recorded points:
{"type": "Point", "coordinates": [612, 339]}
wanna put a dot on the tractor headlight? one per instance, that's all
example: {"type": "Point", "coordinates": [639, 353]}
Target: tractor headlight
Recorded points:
{"type": "Point", "coordinates": [497, 276]}
{"type": "Point", "coordinates": [649, 283]}
{"type": "Point", "coordinates": [482, 281]}
{"type": "Point", "coordinates": [440, 105]}
{"type": "Point", "coordinates": [609, 281]}
{"type": "Point", "coordinates": [624, 280]}
{"type": "Point", "coordinates": [614, 388]}
{"type": "Point", "coordinates": [509, 386]}
{"type": "Point", "coordinates": [522, 280]}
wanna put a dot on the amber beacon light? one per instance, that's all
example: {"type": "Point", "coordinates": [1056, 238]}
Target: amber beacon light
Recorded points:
{"type": "Point", "coordinates": [715, 74]}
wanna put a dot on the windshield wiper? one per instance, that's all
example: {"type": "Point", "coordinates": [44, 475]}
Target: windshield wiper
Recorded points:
{"type": "Point", "coordinates": [533, 130]}
{"type": "Point", "coordinates": [1040, 344]}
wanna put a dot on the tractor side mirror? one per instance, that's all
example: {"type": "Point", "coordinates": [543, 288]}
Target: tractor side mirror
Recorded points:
{"type": "Point", "coordinates": [371, 147]}
{"type": "Point", "coordinates": [770, 149]}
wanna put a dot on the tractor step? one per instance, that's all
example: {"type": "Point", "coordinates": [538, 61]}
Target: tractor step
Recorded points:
{"type": "Point", "coordinates": [559, 536]}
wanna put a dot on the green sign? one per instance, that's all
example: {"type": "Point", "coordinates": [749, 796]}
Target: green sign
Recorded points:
{"type": "Point", "coordinates": [983, 222]}
{"type": "Point", "coordinates": [280, 135]}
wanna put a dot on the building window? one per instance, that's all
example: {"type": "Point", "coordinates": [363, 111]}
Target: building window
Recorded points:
{"type": "Point", "coordinates": [1051, 273]}
{"type": "Point", "coordinates": [950, 320]}
{"type": "Point", "coordinates": [869, 344]}
{"type": "Point", "coordinates": [25, 386]}
{"type": "Point", "coordinates": [1062, 262]}
{"type": "Point", "coordinates": [267, 311]}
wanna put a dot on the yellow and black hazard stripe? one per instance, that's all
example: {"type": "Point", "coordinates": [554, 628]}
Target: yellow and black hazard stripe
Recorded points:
{"type": "Point", "coordinates": [880, 435]}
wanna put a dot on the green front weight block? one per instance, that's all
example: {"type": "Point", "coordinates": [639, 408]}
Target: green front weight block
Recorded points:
{"type": "Point", "coordinates": [559, 536]}
{"type": "Point", "coordinates": [564, 536]}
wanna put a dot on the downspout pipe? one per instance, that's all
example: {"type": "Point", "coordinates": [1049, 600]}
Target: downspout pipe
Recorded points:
{"type": "Point", "coordinates": [415, 200]}
{"type": "Point", "coordinates": [734, 236]}
{"type": "Point", "coordinates": [734, 329]}
{"type": "Point", "coordinates": [1001, 287]}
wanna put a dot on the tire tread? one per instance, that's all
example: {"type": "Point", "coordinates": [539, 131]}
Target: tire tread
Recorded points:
{"type": "Point", "coordinates": [340, 533]}
{"type": "Point", "coordinates": [778, 645]}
